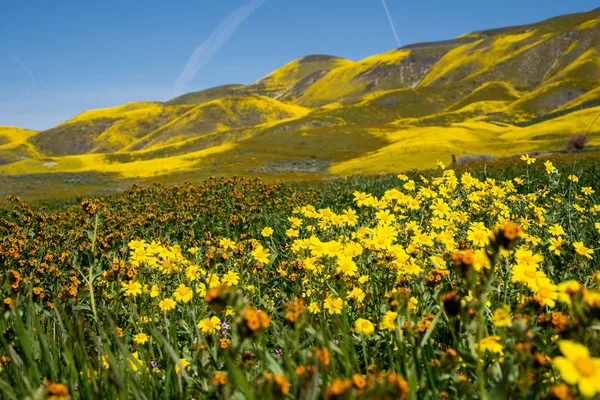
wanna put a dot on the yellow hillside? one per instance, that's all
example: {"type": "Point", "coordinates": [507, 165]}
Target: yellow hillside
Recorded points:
{"type": "Point", "coordinates": [414, 147]}
{"type": "Point", "coordinates": [489, 91]}
{"type": "Point", "coordinates": [551, 134]}
{"type": "Point", "coordinates": [134, 124]}
{"type": "Point", "coordinates": [14, 145]}
{"type": "Point", "coordinates": [586, 66]}
{"type": "Point", "coordinates": [111, 112]}
{"type": "Point", "coordinates": [14, 135]}
{"type": "Point", "coordinates": [350, 149]}
{"type": "Point", "coordinates": [344, 82]}
{"type": "Point", "coordinates": [220, 115]}
{"type": "Point", "coordinates": [286, 76]}
{"type": "Point", "coordinates": [476, 57]}
{"type": "Point", "coordinates": [548, 98]}
{"type": "Point", "coordinates": [593, 23]}
{"type": "Point", "coordinates": [106, 130]}
{"type": "Point", "coordinates": [100, 163]}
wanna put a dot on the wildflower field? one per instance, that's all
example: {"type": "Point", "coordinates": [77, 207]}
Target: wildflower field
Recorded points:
{"type": "Point", "coordinates": [479, 282]}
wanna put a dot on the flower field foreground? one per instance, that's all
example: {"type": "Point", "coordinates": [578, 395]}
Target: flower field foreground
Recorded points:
{"type": "Point", "coordinates": [446, 286]}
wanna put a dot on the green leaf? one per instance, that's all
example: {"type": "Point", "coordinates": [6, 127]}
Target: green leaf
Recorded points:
{"type": "Point", "coordinates": [274, 365]}
{"type": "Point", "coordinates": [498, 392]}
{"type": "Point", "coordinates": [412, 382]}
{"type": "Point", "coordinates": [239, 379]}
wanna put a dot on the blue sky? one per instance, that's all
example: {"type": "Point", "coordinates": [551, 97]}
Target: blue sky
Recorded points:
{"type": "Point", "coordinates": [59, 58]}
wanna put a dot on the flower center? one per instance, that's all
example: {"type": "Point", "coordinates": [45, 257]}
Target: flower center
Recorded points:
{"type": "Point", "coordinates": [585, 366]}
{"type": "Point", "coordinates": [530, 274]}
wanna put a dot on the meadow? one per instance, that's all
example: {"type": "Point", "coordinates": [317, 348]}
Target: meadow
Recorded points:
{"type": "Point", "coordinates": [474, 281]}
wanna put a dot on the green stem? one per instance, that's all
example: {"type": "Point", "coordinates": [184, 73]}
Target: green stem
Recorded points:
{"type": "Point", "coordinates": [91, 273]}
{"type": "Point", "coordinates": [364, 349]}
{"type": "Point", "coordinates": [480, 333]}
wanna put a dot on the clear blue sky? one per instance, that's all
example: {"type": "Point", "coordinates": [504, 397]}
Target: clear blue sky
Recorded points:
{"type": "Point", "coordinates": [58, 58]}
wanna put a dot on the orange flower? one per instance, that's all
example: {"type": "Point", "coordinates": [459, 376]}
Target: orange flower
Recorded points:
{"type": "Point", "coordinates": [219, 379]}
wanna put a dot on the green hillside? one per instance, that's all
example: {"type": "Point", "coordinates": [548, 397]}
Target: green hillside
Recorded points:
{"type": "Point", "coordinates": [501, 92]}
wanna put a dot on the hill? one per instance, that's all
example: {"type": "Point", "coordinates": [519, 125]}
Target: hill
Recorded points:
{"type": "Point", "coordinates": [106, 130]}
{"type": "Point", "coordinates": [500, 92]}
{"type": "Point", "coordinates": [14, 145]}
{"type": "Point", "coordinates": [218, 116]}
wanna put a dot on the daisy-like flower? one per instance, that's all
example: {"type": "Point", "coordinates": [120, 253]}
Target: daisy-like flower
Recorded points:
{"type": "Point", "coordinates": [184, 363]}
{"type": "Point", "coordinates": [227, 243]}
{"type": "Point", "coordinates": [388, 321]}
{"type": "Point", "coordinates": [556, 230]}
{"type": "Point", "coordinates": [183, 293]}
{"type": "Point", "coordinates": [528, 159]}
{"type": "Point", "coordinates": [131, 288]}
{"type": "Point", "coordinates": [356, 294]}
{"type": "Point", "coordinates": [502, 316]}
{"type": "Point", "coordinates": [479, 235]}
{"type": "Point", "coordinates": [547, 292]}
{"type": "Point", "coordinates": [362, 199]}
{"type": "Point", "coordinates": [209, 325]}
{"type": "Point", "coordinates": [296, 222]}
{"type": "Point", "coordinates": [314, 308]}
{"type": "Point", "coordinates": [154, 291]}
{"type": "Point", "coordinates": [194, 272]}
{"type": "Point", "coordinates": [491, 344]}
{"type": "Point", "coordinates": [364, 327]}
{"type": "Point", "coordinates": [231, 278]}
{"type": "Point", "coordinates": [555, 245]}
{"type": "Point", "coordinates": [346, 266]}
{"type": "Point", "coordinates": [167, 304]}
{"type": "Point", "coordinates": [267, 232]}
{"type": "Point", "coordinates": [334, 305]}
{"type": "Point", "coordinates": [140, 338]}
{"type": "Point", "coordinates": [292, 233]}
{"type": "Point", "coordinates": [261, 255]}
{"type": "Point", "coordinates": [550, 168]}
{"type": "Point", "coordinates": [577, 367]}
{"type": "Point", "coordinates": [135, 361]}
{"type": "Point", "coordinates": [582, 250]}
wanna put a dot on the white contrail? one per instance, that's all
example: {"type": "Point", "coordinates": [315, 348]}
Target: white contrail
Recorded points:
{"type": "Point", "coordinates": [31, 85]}
{"type": "Point", "coordinates": [385, 7]}
{"type": "Point", "coordinates": [216, 40]}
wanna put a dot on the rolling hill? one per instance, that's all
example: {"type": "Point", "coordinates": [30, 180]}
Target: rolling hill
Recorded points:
{"type": "Point", "coordinates": [502, 92]}
{"type": "Point", "coordinates": [14, 145]}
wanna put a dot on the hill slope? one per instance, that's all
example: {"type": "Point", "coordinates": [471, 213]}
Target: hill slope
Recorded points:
{"type": "Point", "coordinates": [14, 145]}
{"type": "Point", "coordinates": [218, 116]}
{"type": "Point", "coordinates": [106, 130]}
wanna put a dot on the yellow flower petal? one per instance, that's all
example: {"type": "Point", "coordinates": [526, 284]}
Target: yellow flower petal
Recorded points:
{"type": "Point", "coordinates": [572, 351]}
{"type": "Point", "coordinates": [588, 386]}
{"type": "Point", "coordinates": [567, 370]}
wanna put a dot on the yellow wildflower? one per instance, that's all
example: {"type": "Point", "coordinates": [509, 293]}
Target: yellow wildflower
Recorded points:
{"type": "Point", "coordinates": [364, 327]}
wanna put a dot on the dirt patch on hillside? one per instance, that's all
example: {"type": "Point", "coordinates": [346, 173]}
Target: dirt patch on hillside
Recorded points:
{"type": "Point", "coordinates": [304, 165]}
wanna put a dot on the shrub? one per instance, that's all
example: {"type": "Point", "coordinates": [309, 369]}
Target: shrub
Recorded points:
{"type": "Point", "coordinates": [472, 157]}
{"type": "Point", "coordinates": [576, 141]}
